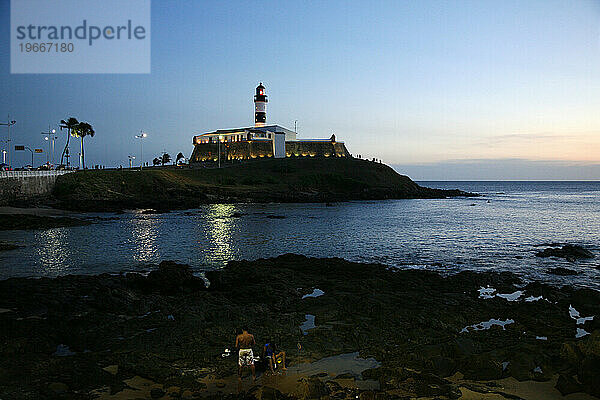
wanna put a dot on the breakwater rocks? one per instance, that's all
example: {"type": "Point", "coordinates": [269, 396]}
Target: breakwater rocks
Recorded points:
{"type": "Point", "coordinates": [73, 335]}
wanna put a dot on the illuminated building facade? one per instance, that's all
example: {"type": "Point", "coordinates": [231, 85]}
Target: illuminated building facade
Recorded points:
{"type": "Point", "coordinates": [261, 140]}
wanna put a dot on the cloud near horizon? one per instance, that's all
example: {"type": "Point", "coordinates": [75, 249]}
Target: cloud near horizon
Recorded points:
{"type": "Point", "coordinates": [501, 169]}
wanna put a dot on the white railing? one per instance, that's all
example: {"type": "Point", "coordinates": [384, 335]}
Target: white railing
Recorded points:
{"type": "Point", "coordinates": [31, 174]}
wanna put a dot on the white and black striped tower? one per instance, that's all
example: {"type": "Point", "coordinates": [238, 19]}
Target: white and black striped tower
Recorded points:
{"type": "Point", "coordinates": [260, 106]}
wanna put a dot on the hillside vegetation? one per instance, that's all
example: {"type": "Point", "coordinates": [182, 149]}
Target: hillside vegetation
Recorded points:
{"type": "Point", "coordinates": [271, 180]}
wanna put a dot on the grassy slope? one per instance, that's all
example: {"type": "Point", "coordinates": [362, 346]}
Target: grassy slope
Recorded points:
{"type": "Point", "coordinates": [266, 180]}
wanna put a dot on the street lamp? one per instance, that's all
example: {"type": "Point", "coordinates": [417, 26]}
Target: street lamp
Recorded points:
{"type": "Point", "coordinates": [3, 156]}
{"type": "Point", "coordinates": [220, 138]}
{"type": "Point", "coordinates": [8, 124]}
{"type": "Point", "coordinates": [50, 137]}
{"type": "Point", "coordinates": [131, 158]}
{"type": "Point", "coordinates": [142, 136]}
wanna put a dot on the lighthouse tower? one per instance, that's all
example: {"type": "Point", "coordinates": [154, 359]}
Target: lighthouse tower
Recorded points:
{"type": "Point", "coordinates": [260, 106]}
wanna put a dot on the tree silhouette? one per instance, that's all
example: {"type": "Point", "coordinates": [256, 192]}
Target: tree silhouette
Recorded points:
{"type": "Point", "coordinates": [179, 157]}
{"type": "Point", "coordinates": [81, 130]}
{"type": "Point", "coordinates": [69, 124]}
{"type": "Point", "coordinates": [156, 161]}
{"type": "Point", "coordinates": [165, 158]}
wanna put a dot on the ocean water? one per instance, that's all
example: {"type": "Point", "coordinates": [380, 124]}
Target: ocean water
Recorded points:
{"type": "Point", "coordinates": [497, 231]}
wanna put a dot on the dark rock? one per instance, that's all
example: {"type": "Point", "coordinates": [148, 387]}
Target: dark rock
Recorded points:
{"type": "Point", "coordinates": [172, 278]}
{"type": "Point", "coordinates": [442, 366]}
{"type": "Point", "coordinates": [482, 367]}
{"type": "Point", "coordinates": [568, 251]}
{"type": "Point", "coordinates": [346, 375]}
{"type": "Point", "coordinates": [408, 318]}
{"type": "Point", "coordinates": [521, 366]}
{"type": "Point", "coordinates": [366, 395]}
{"type": "Point", "coordinates": [588, 370]}
{"type": "Point", "coordinates": [431, 385]}
{"type": "Point", "coordinates": [58, 388]}
{"type": "Point", "coordinates": [566, 384]}
{"type": "Point", "coordinates": [8, 246]}
{"type": "Point", "coordinates": [561, 271]}
{"type": "Point", "coordinates": [269, 393]}
{"type": "Point", "coordinates": [333, 386]}
{"type": "Point", "coordinates": [174, 391]}
{"type": "Point", "coordinates": [314, 388]}
{"type": "Point", "coordinates": [157, 393]}
{"type": "Point", "coordinates": [27, 221]}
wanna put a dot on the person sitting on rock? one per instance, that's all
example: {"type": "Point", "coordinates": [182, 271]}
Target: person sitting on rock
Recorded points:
{"type": "Point", "coordinates": [244, 342]}
{"type": "Point", "coordinates": [274, 356]}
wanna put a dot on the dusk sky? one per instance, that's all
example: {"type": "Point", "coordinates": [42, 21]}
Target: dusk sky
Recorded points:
{"type": "Point", "coordinates": [440, 90]}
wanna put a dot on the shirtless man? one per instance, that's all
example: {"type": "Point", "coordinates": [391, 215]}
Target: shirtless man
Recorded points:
{"type": "Point", "coordinates": [244, 343]}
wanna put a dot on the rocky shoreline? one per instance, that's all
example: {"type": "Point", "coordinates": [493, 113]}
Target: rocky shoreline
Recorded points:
{"type": "Point", "coordinates": [262, 181]}
{"type": "Point", "coordinates": [80, 337]}
{"type": "Point", "coordinates": [28, 221]}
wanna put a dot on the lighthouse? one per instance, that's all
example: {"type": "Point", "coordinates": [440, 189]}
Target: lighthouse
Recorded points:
{"type": "Point", "coordinates": [260, 106]}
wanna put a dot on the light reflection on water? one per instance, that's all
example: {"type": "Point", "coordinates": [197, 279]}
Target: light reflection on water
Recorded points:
{"type": "Point", "coordinates": [444, 234]}
{"type": "Point", "coordinates": [219, 227]}
{"type": "Point", "coordinates": [145, 231]}
{"type": "Point", "coordinates": [52, 249]}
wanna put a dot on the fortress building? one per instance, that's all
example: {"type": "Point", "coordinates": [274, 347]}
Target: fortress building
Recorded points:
{"type": "Point", "coordinates": [261, 140]}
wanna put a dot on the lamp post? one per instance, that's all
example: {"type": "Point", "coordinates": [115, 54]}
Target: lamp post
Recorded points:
{"type": "Point", "coordinates": [3, 156]}
{"type": "Point", "coordinates": [8, 124]}
{"type": "Point", "coordinates": [142, 136]}
{"type": "Point", "coordinates": [50, 137]}
{"type": "Point", "coordinates": [131, 158]}
{"type": "Point", "coordinates": [220, 138]}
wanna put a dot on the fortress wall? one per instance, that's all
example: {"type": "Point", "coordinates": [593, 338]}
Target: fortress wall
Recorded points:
{"type": "Point", "coordinates": [208, 152]}
{"type": "Point", "coordinates": [15, 189]}
{"type": "Point", "coordinates": [315, 149]}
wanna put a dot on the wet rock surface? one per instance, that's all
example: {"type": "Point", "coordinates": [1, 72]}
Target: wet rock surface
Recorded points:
{"type": "Point", "coordinates": [26, 221]}
{"type": "Point", "coordinates": [169, 328]}
{"type": "Point", "coordinates": [561, 271]}
{"type": "Point", "coordinates": [4, 246]}
{"type": "Point", "coordinates": [571, 252]}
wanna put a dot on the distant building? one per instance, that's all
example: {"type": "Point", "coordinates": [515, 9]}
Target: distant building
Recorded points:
{"type": "Point", "coordinates": [261, 140]}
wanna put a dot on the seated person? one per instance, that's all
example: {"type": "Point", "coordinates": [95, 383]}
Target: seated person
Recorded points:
{"type": "Point", "coordinates": [271, 353]}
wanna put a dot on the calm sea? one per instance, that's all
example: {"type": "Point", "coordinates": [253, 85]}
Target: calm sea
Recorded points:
{"type": "Point", "coordinates": [497, 231]}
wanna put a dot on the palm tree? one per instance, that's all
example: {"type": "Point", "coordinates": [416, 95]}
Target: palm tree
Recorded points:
{"type": "Point", "coordinates": [69, 124]}
{"type": "Point", "coordinates": [81, 130]}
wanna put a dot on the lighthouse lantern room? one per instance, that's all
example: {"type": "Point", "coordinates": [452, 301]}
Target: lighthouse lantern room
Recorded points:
{"type": "Point", "coordinates": [260, 106]}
